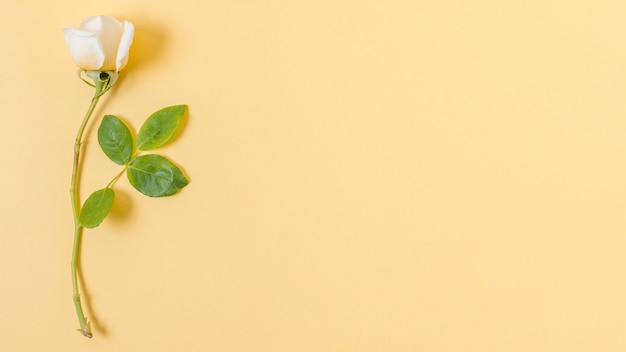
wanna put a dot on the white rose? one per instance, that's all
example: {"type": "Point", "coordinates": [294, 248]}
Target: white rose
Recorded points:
{"type": "Point", "coordinates": [100, 43]}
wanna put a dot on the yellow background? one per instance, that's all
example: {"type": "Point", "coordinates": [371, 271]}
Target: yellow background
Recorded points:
{"type": "Point", "coordinates": [365, 176]}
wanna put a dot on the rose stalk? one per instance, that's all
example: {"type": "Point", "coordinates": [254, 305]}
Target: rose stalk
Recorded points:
{"type": "Point", "coordinates": [99, 47]}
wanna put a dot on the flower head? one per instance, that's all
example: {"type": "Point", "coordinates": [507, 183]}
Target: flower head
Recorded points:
{"type": "Point", "coordinates": [100, 43]}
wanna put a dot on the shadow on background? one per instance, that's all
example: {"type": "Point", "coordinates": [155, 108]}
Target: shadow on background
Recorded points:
{"type": "Point", "coordinates": [149, 42]}
{"type": "Point", "coordinates": [122, 206]}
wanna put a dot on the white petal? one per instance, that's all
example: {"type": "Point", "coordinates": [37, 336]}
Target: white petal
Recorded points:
{"type": "Point", "coordinates": [110, 34]}
{"type": "Point", "coordinates": [85, 48]}
{"type": "Point", "coordinates": [92, 24]}
{"type": "Point", "coordinates": [124, 46]}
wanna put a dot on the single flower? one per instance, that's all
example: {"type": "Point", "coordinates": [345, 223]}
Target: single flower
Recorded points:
{"type": "Point", "coordinates": [100, 43]}
{"type": "Point", "coordinates": [99, 46]}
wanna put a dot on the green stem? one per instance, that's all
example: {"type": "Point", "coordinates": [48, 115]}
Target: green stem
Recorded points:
{"type": "Point", "coordinates": [116, 177]}
{"type": "Point", "coordinates": [101, 87]}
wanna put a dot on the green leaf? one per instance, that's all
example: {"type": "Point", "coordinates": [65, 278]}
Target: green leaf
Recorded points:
{"type": "Point", "coordinates": [155, 176]}
{"type": "Point", "coordinates": [96, 208]}
{"type": "Point", "coordinates": [160, 127]}
{"type": "Point", "coordinates": [115, 139]}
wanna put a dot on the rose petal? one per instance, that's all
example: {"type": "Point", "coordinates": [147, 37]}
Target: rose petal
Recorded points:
{"type": "Point", "coordinates": [92, 24]}
{"type": "Point", "coordinates": [110, 33]}
{"type": "Point", "coordinates": [85, 48]}
{"type": "Point", "coordinates": [124, 46]}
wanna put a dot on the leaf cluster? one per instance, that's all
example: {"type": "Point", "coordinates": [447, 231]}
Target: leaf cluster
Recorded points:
{"type": "Point", "coordinates": [151, 174]}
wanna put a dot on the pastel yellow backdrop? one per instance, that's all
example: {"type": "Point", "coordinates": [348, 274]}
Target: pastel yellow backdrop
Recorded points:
{"type": "Point", "coordinates": [365, 176]}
